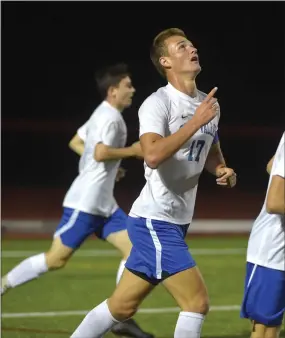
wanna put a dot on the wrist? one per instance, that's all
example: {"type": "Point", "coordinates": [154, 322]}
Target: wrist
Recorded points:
{"type": "Point", "coordinates": [218, 167]}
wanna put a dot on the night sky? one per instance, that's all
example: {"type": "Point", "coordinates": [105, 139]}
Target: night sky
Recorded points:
{"type": "Point", "coordinates": [50, 51]}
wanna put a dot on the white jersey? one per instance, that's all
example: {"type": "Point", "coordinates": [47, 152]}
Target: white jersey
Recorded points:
{"type": "Point", "coordinates": [170, 190]}
{"type": "Point", "coordinates": [82, 131]}
{"type": "Point", "coordinates": [266, 246]}
{"type": "Point", "coordinates": [92, 190]}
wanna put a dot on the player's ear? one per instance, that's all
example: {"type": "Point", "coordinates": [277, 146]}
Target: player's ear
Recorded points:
{"type": "Point", "coordinates": [165, 62]}
{"type": "Point", "coordinates": [112, 91]}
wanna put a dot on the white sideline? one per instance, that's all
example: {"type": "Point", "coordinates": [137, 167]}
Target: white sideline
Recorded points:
{"type": "Point", "coordinates": [84, 312]}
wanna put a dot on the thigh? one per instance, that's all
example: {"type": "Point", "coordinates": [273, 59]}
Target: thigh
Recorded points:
{"type": "Point", "coordinates": [116, 223]}
{"type": "Point", "coordinates": [58, 252]}
{"type": "Point", "coordinates": [261, 330]}
{"type": "Point", "coordinates": [130, 292]}
{"type": "Point", "coordinates": [188, 289]}
{"type": "Point", "coordinates": [75, 226]}
{"type": "Point", "coordinates": [120, 240]}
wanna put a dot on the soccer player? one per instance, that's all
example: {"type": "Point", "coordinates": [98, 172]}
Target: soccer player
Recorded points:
{"type": "Point", "coordinates": [264, 295]}
{"type": "Point", "coordinates": [89, 206]}
{"type": "Point", "coordinates": [178, 135]}
{"type": "Point", "coordinates": [77, 145]}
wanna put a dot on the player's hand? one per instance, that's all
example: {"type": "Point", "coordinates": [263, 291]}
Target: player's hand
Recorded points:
{"type": "Point", "coordinates": [137, 149]}
{"type": "Point", "coordinates": [226, 177]}
{"type": "Point", "coordinates": [207, 110]}
{"type": "Point", "coordinates": [121, 173]}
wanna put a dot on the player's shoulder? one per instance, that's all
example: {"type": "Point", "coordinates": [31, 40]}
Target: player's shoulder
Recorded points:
{"type": "Point", "coordinates": [104, 113]}
{"type": "Point", "coordinates": [158, 99]}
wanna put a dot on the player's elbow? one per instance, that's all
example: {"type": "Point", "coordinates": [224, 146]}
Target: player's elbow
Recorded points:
{"type": "Point", "coordinates": [275, 206]}
{"type": "Point", "coordinates": [152, 161]}
{"type": "Point", "coordinates": [71, 144]}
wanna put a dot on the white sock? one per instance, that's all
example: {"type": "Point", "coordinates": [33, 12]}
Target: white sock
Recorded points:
{"type": "Point", "coordinates": [27, 270]}
{"type": "Point", "coordinates": [96, 323]}
{"type": "Point", "coordinates": [189, 325]}
{"type": "Point", "coordinates": [120, 271]}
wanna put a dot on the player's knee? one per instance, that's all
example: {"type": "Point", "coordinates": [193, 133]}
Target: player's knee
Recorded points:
{"type": "Point", "coordinates": [122, 310]}
{"type": "Point", "coordinates": [54, 262]}
{"type": "Point", "coordinates": [199, 304]}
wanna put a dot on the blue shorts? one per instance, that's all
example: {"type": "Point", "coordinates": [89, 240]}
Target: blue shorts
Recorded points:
{"type": "Point", "coordinates": [159, 249]}
{"type": "Point", "coordinates": [264, 295]}
{"type": "Point", "coordinates": [75, 226]}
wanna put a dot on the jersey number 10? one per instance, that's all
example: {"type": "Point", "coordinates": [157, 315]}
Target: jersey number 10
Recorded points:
{"type": "Point", "coordinates": [195, 150]}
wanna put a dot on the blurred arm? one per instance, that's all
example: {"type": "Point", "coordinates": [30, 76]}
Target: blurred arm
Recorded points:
{"type": "Point", "coordinates": [269, 165]}
{"type": "Point", "coordinates": [76, 144]}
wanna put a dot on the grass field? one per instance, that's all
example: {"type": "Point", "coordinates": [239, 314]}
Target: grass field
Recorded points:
{"type": "Point", "coordinates": [89, 278]}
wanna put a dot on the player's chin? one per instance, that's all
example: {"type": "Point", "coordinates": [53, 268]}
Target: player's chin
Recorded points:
{"type": "Point", "coordinates": [128, 102]}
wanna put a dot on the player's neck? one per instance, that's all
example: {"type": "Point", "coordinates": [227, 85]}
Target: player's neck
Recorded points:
{"type": "Point", "coordinates": [114, 104]}
{"type": "Point", "coordinates": [184, 85]}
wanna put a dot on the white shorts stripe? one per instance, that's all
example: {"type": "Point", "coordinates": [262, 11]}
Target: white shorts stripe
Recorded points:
{"type": "Point", "coordinates": [68, 225]}
{"type": "Point", "coordinates": [158, 248]}
{"type": "Point", "coordinates": [252, 274]}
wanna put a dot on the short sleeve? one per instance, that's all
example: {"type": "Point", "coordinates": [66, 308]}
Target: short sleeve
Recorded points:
{"type": "Point", "coordinates": [110, 134]}
{"type": "Point", "coordinates": [153, 116]}
{"type": "Point", "coordinates": [82, 131]}
{"type": "Point", "coordinates": [216, 138]}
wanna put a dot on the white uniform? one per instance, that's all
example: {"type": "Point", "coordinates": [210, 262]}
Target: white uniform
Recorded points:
{"type": "Point", "coordinates": [92, 190]}
{"type": "Point", "coordinates": [266, 245]}
{"type": "Point", "coordinates": [170, 191]}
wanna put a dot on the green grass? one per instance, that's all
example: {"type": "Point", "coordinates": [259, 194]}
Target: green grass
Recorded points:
{"type": "Point", "coordinates": [86, 281]}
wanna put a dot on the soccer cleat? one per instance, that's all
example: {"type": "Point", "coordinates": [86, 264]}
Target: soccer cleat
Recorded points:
{"type": "Point", "coordinates": [130, 328]}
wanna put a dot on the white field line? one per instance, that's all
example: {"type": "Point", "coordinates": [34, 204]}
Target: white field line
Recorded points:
{"type": "Point", "coordinates": [113, 253]}
{"type": "Point", "coordinates": [84, 312]}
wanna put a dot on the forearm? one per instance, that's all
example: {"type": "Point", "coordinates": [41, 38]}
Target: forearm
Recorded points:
{"type": "Point", "coordinates": [166, 147]}
{"type": "Point", "coordinates": [77, 148]}
{"type": "Point", "coordinates": [110, 153]}
{"type": "Point", "coordinates": [215, 159]}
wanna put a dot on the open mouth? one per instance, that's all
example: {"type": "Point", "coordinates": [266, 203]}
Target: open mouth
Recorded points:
{"type": "Point", "coordinates": [194, 58]}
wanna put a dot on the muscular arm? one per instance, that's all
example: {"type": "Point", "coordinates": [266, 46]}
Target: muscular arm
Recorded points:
{"type": "Point", "coordinates": [275, 201]}
{"type": "Point", "coordinates": [156, 149]}
{"type": "Point", "coordinates": [76, 144]}
{"type": "Point", "coordinates": [215, 159]}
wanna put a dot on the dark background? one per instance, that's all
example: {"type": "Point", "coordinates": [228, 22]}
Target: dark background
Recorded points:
{"type": "Point", "coordinates": [50, 51]}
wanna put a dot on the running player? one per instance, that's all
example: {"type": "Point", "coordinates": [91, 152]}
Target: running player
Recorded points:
{"type": "Point", "coordinates": [178, 135]}
{"type": "Point", "coordinates": [89, 206]}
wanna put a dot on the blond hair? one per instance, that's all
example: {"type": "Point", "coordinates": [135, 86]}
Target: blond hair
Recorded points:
{"type": "Point", "coordinates": [159, 49]}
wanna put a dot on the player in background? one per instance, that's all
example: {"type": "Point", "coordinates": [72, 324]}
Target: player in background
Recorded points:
{"type": "Point", "coordinates": [264, 294]}
{"type": "Point", "coordinates": [89, 206]}
{"type": "Point", "coordinates": [178, 135]}
{"type": "Point", "coordinates": [77, 145]}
